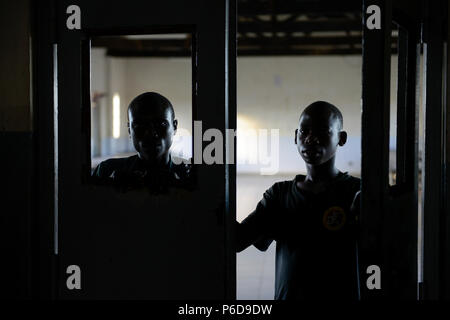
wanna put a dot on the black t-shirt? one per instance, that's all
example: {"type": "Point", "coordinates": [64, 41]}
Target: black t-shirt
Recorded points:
{"type": "Point", "coordinates": [316, 238]}
{"type": "Point", "coordinates": [131, 172]}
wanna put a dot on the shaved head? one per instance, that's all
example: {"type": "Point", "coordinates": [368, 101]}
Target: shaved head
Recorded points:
{"type": "Point", "coordinates": [319, 133]}
{"type": "Point", "coordinates": [323, 107]}
{"type": "Point", "coordinates": [152, 125]}
{"type": "Point", "coordinates": [150, 100]}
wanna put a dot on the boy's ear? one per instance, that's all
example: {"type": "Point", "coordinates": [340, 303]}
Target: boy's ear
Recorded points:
{"type": "Point", "coordinates": [342, 138]}
{"type": "Point", "coordinates": [128, 126]}
{"type": "Point", "coordinates": [175, 125]}
{"type": "Point", "coordinates": [295, 138]}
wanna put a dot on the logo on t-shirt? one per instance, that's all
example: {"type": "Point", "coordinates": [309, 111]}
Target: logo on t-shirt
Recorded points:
{"type": "Point", "coordinates": [334, 218]}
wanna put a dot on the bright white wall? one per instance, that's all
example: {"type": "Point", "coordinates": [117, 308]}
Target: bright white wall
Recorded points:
{"type": "Point", "coordinates": [274, 90]}
{"type": "Point", "coordinates": [98, 85]}
{"type": "Point", "coordinates": [171, 77]}
{"type": "Point", "coordinates": [271, 93]}
{"type": "Point", "coordinates": [130, 77]}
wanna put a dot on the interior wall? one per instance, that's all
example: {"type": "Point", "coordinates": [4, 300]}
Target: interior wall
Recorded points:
{"type": "Point", "coordinates": [272, 92]}
{"type": "Point", "coordinates": [129, 77]}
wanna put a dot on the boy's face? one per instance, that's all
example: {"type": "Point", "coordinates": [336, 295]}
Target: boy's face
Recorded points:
{"type": "Point", "coordinates": [151, 130]}
{"type": "Point", "coordinates": [318, 136]}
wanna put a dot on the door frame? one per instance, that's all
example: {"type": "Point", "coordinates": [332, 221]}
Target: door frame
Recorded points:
{"type": "Point", "coordinates": [46, 225]}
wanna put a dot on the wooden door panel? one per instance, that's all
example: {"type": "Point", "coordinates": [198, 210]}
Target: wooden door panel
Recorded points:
{"type": "Point", "coordinates": [137, 245]}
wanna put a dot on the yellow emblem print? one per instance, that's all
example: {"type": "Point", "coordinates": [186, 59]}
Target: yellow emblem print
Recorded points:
{"type": "Point", "coordinates": [334, 218]}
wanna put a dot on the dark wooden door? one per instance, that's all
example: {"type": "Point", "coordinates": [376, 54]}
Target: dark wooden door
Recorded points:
{"type": "Point", "coordinates": [134, 245]}
{"type": "Point", "coordinates": [389, 211]}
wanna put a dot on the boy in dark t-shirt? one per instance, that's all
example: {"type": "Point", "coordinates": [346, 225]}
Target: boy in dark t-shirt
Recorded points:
{"type": "Point", "coordinates": [152, 126]}
{"type": "Point", "coordinates": [312, 218]}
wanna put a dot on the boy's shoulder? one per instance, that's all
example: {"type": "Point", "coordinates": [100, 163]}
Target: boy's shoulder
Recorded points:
{"type": "Point", "coordinates": [281, 189]}
{"type": "Point", "coordinates": [352, 181]}
{"type": "Point", "coordinates": [107, 167]}
{"type": "Point", "coordinates": [118, 162]}
{"type": "Point", "coordinates": [283, 184]}
{"type": "Point", "coordinates": [345, 180]}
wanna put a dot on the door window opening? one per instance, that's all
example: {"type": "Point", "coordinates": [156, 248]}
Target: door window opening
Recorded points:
{"type": "Point", "coordinates": [125, 66]}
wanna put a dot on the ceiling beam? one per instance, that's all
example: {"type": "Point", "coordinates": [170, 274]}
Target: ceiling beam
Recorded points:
{"type": "Point", "coordinates": [329, 25]}
{"type": "Point", "coordinates": [177, 45]}
{"type": "Point", "coordinates": [261, 7]}
{"type": "Point", "coordinates": [242, 52]}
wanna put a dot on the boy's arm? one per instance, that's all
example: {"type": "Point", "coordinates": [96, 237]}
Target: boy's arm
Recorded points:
{"type": "Point", "coordinates": [356, 204]}
{"type": "Point", "coordinates": [255, 228]}
{"type": "Point", "coordinates": [96, 172]}
{"type": "Point", "coordinates": [247, 232]}
{"type": "Point", "coordinates": [102, 170]}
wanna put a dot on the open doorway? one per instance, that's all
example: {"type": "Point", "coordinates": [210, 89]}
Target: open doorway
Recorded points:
{"type": "Point", "coordinates": [288, 57]}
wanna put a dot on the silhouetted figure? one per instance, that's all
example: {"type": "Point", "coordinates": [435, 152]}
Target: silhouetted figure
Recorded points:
{"type": "Point", "coordinates": [151, 125]}
{"type": "Point", "coordinates": [311, 218]}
